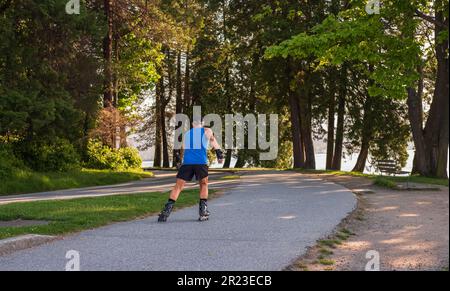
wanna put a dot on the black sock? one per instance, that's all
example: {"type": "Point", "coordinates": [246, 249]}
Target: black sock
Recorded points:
{"type": "Point", "coordinates": [204, 200]}
{"type": "Point", "coordinates": [172, 201]}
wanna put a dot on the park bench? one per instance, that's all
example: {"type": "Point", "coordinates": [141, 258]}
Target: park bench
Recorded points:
{"type": "Point", "coordinates": [391, 168]}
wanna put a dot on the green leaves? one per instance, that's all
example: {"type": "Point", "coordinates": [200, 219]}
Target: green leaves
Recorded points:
{"type": "Point", "coordinates": [102, 157]}
{"type": "Point", "coordinates": [352, 36]}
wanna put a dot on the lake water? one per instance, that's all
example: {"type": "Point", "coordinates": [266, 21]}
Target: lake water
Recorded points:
{"type": "Point", "coordinates": [347, 163]}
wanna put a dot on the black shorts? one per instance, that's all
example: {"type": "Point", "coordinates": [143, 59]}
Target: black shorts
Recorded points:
{"type": "Point", "coordinates": [187, 172]}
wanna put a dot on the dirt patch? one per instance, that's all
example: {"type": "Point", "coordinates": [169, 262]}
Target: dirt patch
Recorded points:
{"type": "Point", "coordinates": [409, 230]}
{"type": "Point", "coordinates": [22, 223]}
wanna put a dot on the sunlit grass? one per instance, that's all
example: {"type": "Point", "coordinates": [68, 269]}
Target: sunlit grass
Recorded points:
{"type": "Point", "coordinates": [25, 181]}
{"type": "Point", "coordinates": [386, 181]}
{"type": "Point", "coordinates": [231, 177]}
{"type": "Point", "coordinates": [68, 216]}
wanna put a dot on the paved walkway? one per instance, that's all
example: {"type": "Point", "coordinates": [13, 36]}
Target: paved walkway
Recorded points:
{"type": "Point", "coordinates": [263, 223]}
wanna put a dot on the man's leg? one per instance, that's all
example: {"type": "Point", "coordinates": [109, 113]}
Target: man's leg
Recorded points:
{"type": "Point", "coordinates": [179, 186]}
{"type": "Point", "coordinates": [203, 211]}
{"type": "Point", "coordinates": [172, 199]}
{"type": "Point", "coordinates": [204, 192]}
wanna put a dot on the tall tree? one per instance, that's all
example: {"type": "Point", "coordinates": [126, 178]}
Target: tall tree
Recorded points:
{"type": "Point", "coordinates": [436, 134]}
{"type": "Point", "coordinates": [380, 39]}
{"type": "Point", "coordinates": [342, 94]}
{"type": "Point", "coordinates": [108, 95]}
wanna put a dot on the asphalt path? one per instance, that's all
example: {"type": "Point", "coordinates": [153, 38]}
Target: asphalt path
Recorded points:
{"type": "Point", "coordinates": [262, 223]}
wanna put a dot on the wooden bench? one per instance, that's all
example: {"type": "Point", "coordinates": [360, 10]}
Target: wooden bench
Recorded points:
{"type": "Point", "coordinates": [391, 168]}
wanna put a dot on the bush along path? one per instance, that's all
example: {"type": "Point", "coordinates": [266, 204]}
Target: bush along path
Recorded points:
{"type": "Point", "coordinates": [40, 166]}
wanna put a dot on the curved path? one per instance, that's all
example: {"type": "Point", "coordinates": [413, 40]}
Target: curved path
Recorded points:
{"type": "Point", "coordinates": [263, 223]}
{"type": "Point", "coordinates": [162, 182]}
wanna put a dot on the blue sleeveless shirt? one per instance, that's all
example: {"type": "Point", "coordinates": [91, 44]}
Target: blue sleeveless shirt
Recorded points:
{"type": "Point", "coordinates": [195, 147]}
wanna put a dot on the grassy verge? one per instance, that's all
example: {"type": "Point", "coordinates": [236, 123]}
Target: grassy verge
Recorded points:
{"type": "Point", "coordinates": [231, 177]}
{"type": "Point", "coordinates": [386, 181]}
{"type": "Point", "coordinates": [413, 179]}
{"type": "Point", "coordinates": [28, 182]}
{"type": "Point", "coordinates": [321, 254]}
{"type": "Point", "coordinates": [69, 216]}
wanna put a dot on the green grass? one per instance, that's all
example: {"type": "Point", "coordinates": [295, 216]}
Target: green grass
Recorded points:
{"type": "Point", "coordinates": [25, 181]}
{"type": "Point", "coordinates": [231, 177]}
{"type": "Point", "coordinates": [385, 181]}
{"type": "Point", "coordinates": [415, 179]}
{"type": "Point", "coordinates": [69, 216]}
{"type": "Point", "coordinates": [347, 232]}
{"type": "Point", "coordinates": [160, 169]}
{"type": "Point", "coordinates": [331, 243]}
{"type": "Point", "coordinates": [325, 252]}
{"type": "Point", "coordinates": [302, 267]}
{"type": "Point", "coordinates": [331, 172]}
{"type": "Point", "coordinates": [342, 236]}
{"type": "Point", "coordinates": [326, 262]}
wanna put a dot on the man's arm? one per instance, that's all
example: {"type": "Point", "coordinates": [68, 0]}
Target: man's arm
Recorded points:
{"type": "Point", "coordinates": [212, 139]}
{"type": "Point", "coordinates": [215, 145]}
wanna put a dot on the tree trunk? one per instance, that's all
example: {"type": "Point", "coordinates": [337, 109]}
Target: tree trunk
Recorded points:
{"type": "Point", "coordinates": [331, 113]}
{"type": "Point", "coordinates": [165, 145]}
{"type": "Point", "coordinates": [366, 136]}
{"type": "Point", "coordinates": [436, 129]}
{"type": "Point", "coordinates": [227, 162]}
{"type": "Point", "coordinates": [123, 136]}
{"type": "Point", "coordinates": [338, 147]}
{"type": "Point", "coordinates": [442, 89]}
{"type": "Point", "coordinates": [157, 158]}
{"type": "Point", "coordinates": [164, 102]}
{"type": "Point", "coordinates": [334, 151]}
{"type": "Point", "coordinates": [415, 114]}
{"type": "Point", "coordinates": [115, 74]}
{"type": "Point", "coordinates": [240, 163]}
{"type": "Point", "coordinates": [108, 94]}
{"type": "Point", "coordinates": [187, 79]}
{"type": "Point", "coordinates": [299, 158]}
{"type": "Point", "coordinates": [306, 130]}
{"type": "Point", "coordinates": [179, 85]}
{"type": "Point", "coordinates": [178, 104]}
{"type": "Point", "coordinates": [362, 157]}
{"type": "Point", "coordinates": [294, 109]}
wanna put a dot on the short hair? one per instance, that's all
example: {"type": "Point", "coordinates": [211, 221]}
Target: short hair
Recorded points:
{"type": "Point", "coordinates": [197, 121]}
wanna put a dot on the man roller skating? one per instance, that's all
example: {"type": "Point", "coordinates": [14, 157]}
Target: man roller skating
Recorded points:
{"type": "Point", "coordinates": [195, 163]}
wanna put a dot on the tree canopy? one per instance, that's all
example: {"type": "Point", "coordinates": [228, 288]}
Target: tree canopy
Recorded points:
{"type": "Point", "coordinates": [342, 80]}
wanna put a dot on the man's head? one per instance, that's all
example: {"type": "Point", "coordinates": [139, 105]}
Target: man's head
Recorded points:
{"type": "Point", "coordinates": [197, 122]}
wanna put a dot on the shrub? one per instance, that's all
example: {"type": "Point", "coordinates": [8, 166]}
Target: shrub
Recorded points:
{"type": "Point", "coordinates": [131, 158]}
{"type": "Point", "coordinates": [9, 163]}
{"type": "Point", "coordinates": [56, 156]}
{"type": "Point", "coordinates": [103, 157]}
